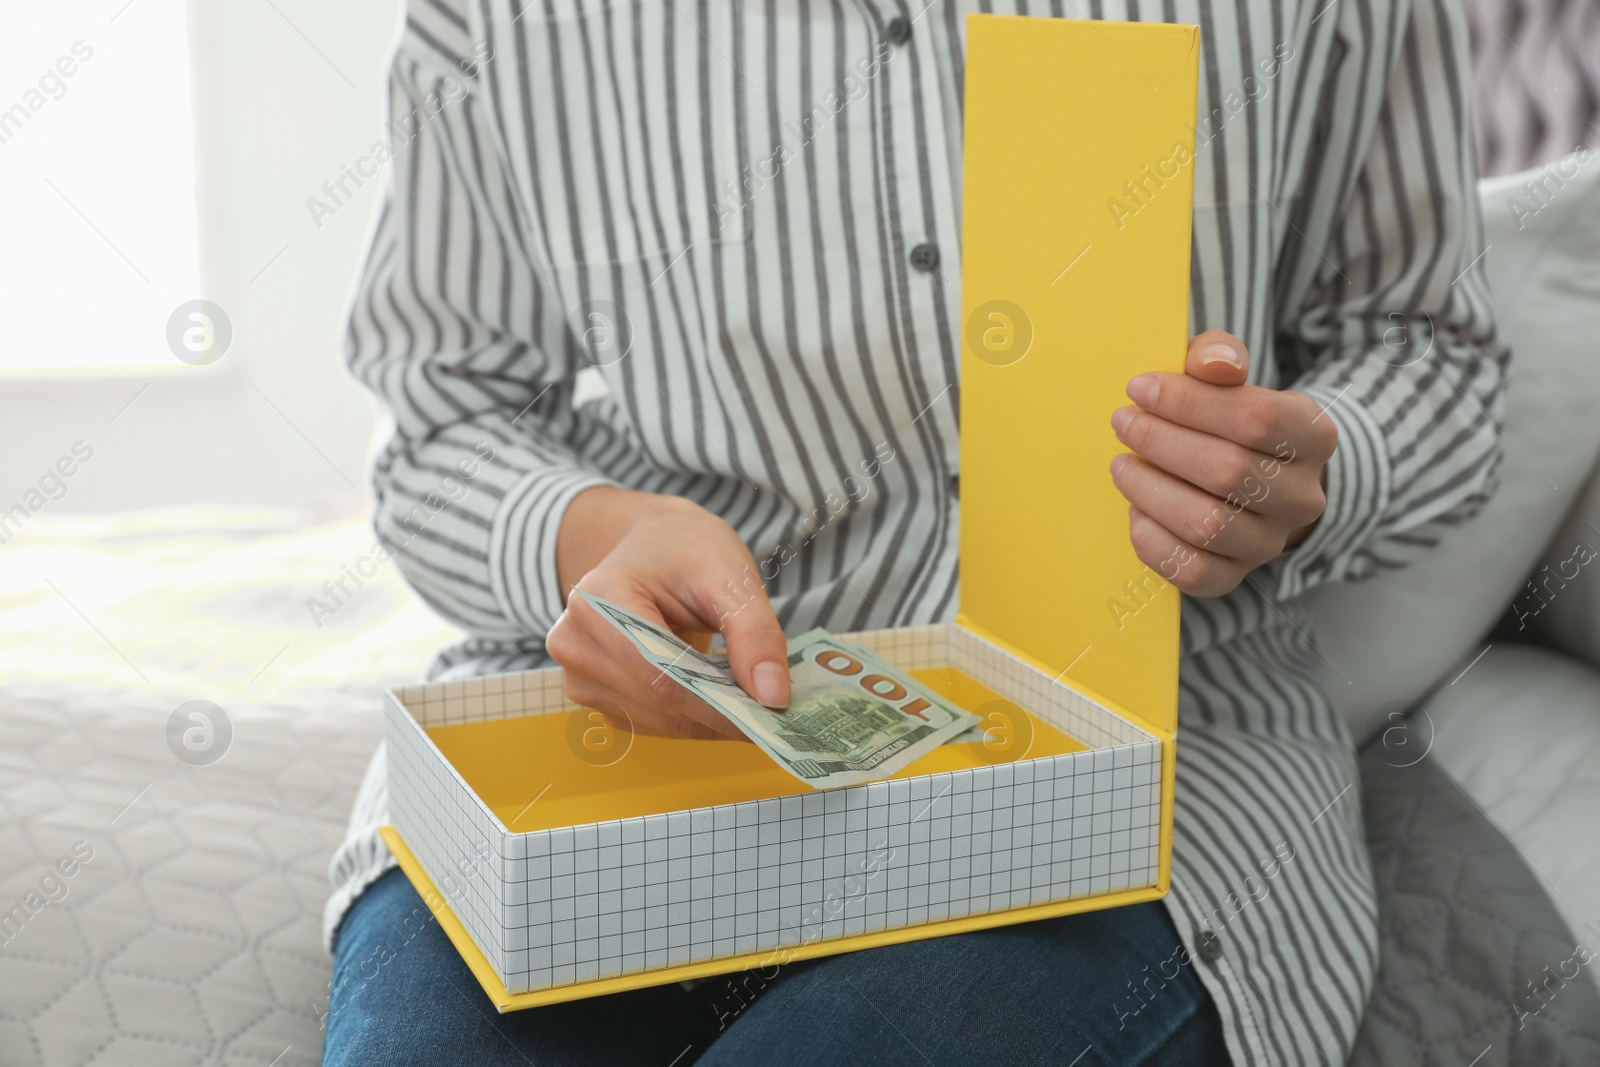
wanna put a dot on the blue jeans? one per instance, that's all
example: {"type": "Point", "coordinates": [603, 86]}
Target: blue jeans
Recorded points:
{"type": "Point", "coordinates": [1057, 991]}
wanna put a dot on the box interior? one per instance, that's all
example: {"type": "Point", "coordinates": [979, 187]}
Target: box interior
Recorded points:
{"type": "Point", "coordinates": [535, 762]}
{"type": "Point", "coordinates": [536, 771]}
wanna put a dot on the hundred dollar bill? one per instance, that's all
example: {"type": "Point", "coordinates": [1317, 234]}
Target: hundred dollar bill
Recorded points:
{"type": "Point", "coordinates": [978, 732]}
{"type": "Point", "coordinates": [851, 718]}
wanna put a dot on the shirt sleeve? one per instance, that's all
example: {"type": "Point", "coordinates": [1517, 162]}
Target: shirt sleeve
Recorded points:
{"type": "Point", "coordinates": [457, 332]}
{"type": "Point", "coordinates": [1388, 317]}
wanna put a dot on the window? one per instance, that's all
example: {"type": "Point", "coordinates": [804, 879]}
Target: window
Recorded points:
{"type": "Point", "coordinates": [97, 175]}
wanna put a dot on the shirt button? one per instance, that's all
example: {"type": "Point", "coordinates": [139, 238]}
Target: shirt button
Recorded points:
{"type": "Point", "coordinates": [898, 31]}
{"type": "Point", "coordinates": [925, 258]}
{"type": "Point", "coordinates": [1210, 945]}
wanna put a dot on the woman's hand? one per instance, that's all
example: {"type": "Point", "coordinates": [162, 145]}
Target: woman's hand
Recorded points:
{"type": "Point", "coordinates": [1227, 475]}
{"type": "Point", "coordinates": [668, 560]}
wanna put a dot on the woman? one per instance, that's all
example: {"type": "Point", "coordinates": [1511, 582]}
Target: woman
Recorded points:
{"type": "Point", "coordinates": [592, 189]}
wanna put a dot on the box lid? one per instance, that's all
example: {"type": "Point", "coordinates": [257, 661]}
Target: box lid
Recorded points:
{"type": "Point", "coordinates": [1078, 199]}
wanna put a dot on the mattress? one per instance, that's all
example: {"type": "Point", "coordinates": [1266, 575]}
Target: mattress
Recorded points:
{"type": "Point", "coordinates": [188, 930]}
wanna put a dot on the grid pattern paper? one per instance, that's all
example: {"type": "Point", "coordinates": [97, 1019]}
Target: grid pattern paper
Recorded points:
{"type": "Point", "coordinates": [555, 907]}
{"type": "Point", "coordinates": [453, 834]}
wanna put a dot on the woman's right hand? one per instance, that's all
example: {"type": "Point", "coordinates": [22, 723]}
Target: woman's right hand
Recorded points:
{"type": "Point", "coordinates": [668, 560]}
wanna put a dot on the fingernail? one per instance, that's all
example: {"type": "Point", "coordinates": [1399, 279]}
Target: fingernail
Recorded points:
{"type": "Point", "coordinates": [1120, 419]}
{"type": "Point", "coordinates": [772, 684]}
{"type": "Point", "coordinates": [1220, 353]}
{"type": "Point", "coordinates": [1118, 461]}
{"type": "Point", "coordinates": [1133, 513]}
{"type": "Point", "coordinates": [1143, 390]}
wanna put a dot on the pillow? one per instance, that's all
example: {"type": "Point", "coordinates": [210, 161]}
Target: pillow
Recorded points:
{"type": "Point", "coordinates": [1396, 636]}
{"type": "Point", "coordinates": [1561, 606]}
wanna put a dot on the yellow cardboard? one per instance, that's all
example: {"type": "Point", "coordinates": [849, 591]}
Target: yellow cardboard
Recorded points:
{"type": "Point", "coordinates": [1078, 198]}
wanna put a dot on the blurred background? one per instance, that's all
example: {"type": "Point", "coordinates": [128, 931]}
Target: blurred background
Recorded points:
{"type": "Point", "coordinates": [183, 480]}
{"type": "Point", "coordinates": [176, 163]}
{"type": "Point", "coordinates": [186, 228]}
{"type": "Point", "coordinates": [193, 635]}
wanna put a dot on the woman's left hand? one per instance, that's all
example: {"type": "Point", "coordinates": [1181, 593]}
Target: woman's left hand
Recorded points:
{"type": "Point", "coordinates": [1226, 476]}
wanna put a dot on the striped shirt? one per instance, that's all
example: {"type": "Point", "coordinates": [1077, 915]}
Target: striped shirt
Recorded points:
{"type": "Point", "coordinates": [1534, 111]}
{"type": "Point", "coordinates": [713, 249]}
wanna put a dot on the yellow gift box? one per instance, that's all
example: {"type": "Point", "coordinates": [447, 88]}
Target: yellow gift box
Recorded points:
{"type": "Point", "coordinates": [566, 859]}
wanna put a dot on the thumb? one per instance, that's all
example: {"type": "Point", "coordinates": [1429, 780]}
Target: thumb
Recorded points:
{"type": "Point", "coordinates": [757, 651]}
{"type": "Point", "coordinates": [1219, 358]}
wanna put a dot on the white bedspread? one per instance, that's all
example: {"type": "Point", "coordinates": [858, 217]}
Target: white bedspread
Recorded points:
{"type": "Point", "coordinates": [190, 933]}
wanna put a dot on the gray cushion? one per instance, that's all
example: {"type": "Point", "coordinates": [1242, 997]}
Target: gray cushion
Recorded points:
{"type": "Point", "coordinates": [1397, 636]}
{"type": "Point", "coordinates": [1463, 927]}
{"type": "Point", "coordinates": [1564, 612]}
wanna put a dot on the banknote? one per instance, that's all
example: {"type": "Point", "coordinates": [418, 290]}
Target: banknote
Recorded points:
{"type": "Point", "coordinates": [978, 732]}
{"type": "Point", "coordinates": [852, 717]}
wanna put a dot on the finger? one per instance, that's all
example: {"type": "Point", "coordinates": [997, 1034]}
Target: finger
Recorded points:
{"type": "Point", "coordinates": [1283, 424]}
{"type": "Point", "coordinates": [629, 716]}
{"type": "Point", "coordinates": [757, 649]}
{"type": "Point", "coordinates": [1217, 357]}
{"type": "Point", "coordinates": [1214, 464]}
{"type": "Point", "coordinates": [610, 658]}
{"type": "Point", "coordinates": [1192, 570]}
{"type": "Point", "coordinates": [1196, 517]}
{"type": "Point", "coordinates": [586, 644]}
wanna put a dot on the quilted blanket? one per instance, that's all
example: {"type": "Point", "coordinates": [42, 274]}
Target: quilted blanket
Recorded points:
{"type": "Point", "coordinates": [164, 875]}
